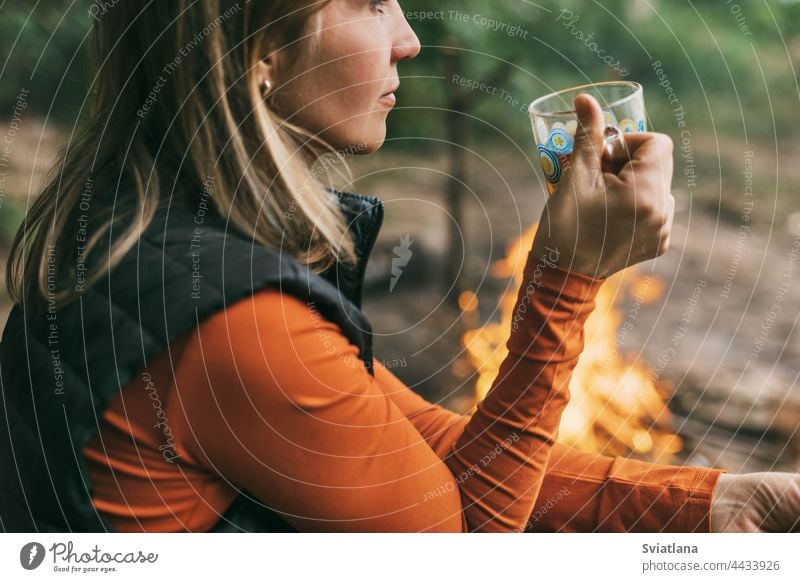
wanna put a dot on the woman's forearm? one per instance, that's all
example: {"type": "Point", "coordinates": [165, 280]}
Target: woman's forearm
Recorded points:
{"type": "Point", "coordinates": [588, 492]}
{"type": "Point", "coordinates": [505, 446]}
{"type": "Point", "coordinates": [576, 485]}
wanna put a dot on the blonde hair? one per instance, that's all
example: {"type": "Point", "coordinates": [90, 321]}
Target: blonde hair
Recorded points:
{"type": "Point", "coordinates": [177, 113]}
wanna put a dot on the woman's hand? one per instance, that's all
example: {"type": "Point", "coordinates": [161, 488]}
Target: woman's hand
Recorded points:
{"type": "Point", "coordinates": [599, 222]}
{"type": "Point", "coordinates": [756, 502]}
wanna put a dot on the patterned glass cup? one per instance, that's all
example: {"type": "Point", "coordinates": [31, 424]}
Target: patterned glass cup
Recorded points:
{"type": "Point", "coordinates": [554, 122]}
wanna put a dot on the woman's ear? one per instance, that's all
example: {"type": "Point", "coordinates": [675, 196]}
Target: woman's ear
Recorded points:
{"type": "Point", "coordinates": [266, 68]}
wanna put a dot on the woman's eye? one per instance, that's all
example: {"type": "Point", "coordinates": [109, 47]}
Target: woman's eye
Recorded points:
{"type": "Point", "coordinates": [378, 5]}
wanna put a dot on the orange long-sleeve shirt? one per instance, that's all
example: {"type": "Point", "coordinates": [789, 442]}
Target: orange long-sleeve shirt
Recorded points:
{"type": "Point", "coordinates": [269, 397]}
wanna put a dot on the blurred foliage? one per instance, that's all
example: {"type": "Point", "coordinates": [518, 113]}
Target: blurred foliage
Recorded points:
{"type": "Point", "coordinates": [45, 51]}
{"type": "Point", "coordinates": [12, 213]}
{"type": "Point", "coordinates": [727, 78]}
{"type": "Point", "coordinates": [729, 63]}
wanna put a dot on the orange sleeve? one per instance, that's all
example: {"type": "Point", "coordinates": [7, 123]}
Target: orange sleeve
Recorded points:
{"type": "Point", "coordinates": [515, 426]}
{"type": "Point", "coordinates": [583, 492]}
{"type": "Point", "coordinates": [288, 412]}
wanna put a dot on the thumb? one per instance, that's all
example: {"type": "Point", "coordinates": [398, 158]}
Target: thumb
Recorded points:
{"type": "Point", "coordinates": [589, 141]}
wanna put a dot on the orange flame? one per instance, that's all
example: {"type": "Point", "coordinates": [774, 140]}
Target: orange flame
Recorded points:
{"type": "Point", "coordinates": [615, 407]}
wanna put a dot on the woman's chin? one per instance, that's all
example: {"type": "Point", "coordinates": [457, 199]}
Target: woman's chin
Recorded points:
{"type": "Point", "coordinates": [371, 147]}
{"type": "Point", "coordinates": [367, 144]}
{"type": "Point", "coordinates": [364, 139]}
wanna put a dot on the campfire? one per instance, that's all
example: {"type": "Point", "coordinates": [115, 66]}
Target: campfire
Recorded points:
{"type": "Point", "coordinates": [617, 404]}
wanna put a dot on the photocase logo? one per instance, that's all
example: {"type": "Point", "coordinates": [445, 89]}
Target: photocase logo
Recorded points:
{"type": "Point", "coordinates": [31, 555]}
{"type": "Point", "coordinates": [402, 254]}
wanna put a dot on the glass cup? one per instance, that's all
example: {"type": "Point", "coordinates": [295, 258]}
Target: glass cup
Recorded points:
{"type": "Point", "coordinates": [554, 122]}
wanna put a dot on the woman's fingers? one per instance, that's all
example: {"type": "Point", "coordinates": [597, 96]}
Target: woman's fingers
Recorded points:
{"type": "Point", "coordinates": [588, 146]}
{"type": "Point", "coordinates": [644, 149]}
{"type": "Point", "coordinates": [768, 502]}
{"type": "Point", "coordinates": [787, 510]}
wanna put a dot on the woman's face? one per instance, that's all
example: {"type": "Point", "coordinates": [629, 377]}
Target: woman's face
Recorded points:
{"type": "Point", "coordinates": [346, 92]}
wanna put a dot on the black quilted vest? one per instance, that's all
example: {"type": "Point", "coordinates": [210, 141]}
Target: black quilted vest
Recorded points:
{"type": "Point", "coordinates": [60, 370]}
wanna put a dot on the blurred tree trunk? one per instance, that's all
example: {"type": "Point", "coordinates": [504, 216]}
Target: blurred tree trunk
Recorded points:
{"type": "Point", "coordinates": [460, 101]}
{"type": "Point", "coordinates": [457, 135]}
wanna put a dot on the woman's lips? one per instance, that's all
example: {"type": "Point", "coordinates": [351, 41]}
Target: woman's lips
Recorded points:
{"type": "Point", "coordinates": [389, 99]}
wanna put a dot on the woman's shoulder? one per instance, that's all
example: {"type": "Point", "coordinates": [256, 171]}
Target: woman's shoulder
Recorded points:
{"type": "Point", "coordinates": [278, 335]}
{"type": "Point", "coordinates": [278, 328]}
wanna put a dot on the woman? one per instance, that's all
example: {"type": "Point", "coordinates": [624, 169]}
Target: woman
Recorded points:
{"type": "Point", "coordinates": [188, 307]}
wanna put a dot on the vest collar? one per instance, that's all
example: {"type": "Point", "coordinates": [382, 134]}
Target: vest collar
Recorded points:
{"type": "Point", "coordinates": [364, 216]}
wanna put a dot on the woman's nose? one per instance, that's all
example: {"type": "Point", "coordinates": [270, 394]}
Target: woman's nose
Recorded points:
{"type": "Point", "coordinates": [407, 45]}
